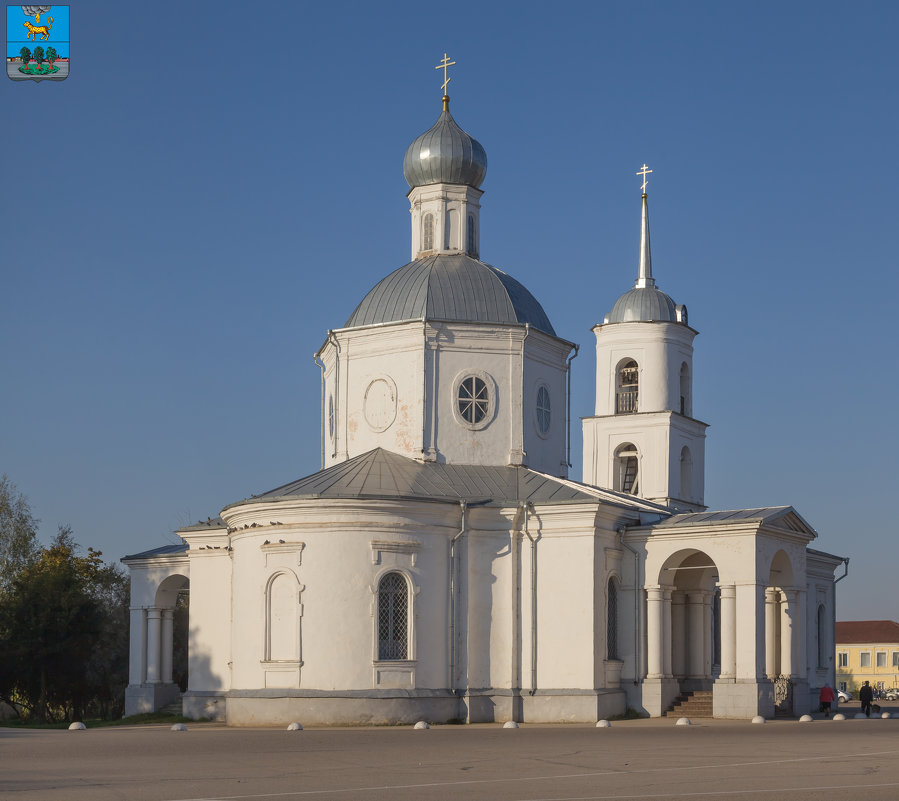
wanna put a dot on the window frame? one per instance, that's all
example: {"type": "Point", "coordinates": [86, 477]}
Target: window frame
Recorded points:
{"type": "Point", "coordinates": [491, 411]}
{"type": "Point", "coordinates": [411, 592]}
{"type": "Point", "coordinates": [862, 655]}
{"type": "Point", "coordinates": [877, 657]}
{"type": "Point", "coordinates": [427, 232]}
{"type": "Point", "coordinates": [842, 659]}
{"type": "Point", "coordinates": [542, 387]}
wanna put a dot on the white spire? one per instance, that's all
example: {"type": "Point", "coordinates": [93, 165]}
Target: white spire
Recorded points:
{"type": "Point", "coordinates": [644, 277]}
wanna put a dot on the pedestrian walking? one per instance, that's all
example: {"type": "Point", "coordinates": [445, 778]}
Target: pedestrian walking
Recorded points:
{"type": "Point", "coordinates": [866, 696]}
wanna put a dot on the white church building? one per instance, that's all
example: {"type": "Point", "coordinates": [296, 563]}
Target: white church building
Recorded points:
{"type": "Point", "coordinates": [442, 566]}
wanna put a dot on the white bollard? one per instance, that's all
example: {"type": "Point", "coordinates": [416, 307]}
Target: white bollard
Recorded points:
{"type": "Point", "coordinates": [81, 727]}
{"type": "Point", "coordinates": [885, 715]}
{"type": "Point", "coordinates": [603, 724]}
{"type": "Point", "coordinates": [683, 722]}
{"type": "Point", "coordinates": [806, 719]}
{"type": "Point", "coordinates": [422, 724]}
{"type": "Point", "coordinates": [839, 716]}
{"type": "Point", "coordinates": [759, 719]}
{"type": "Point", "coordinates": [179, 727]}
{"type": "Point", "coordinates": [294, 727]}
{"type": "Point", "coordinates": [510, 724]}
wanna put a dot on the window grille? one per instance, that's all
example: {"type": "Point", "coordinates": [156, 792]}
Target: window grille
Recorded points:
{"type": "Point", "coordinates": [627, 392]}
{"type": "Point", "coordinates": [543, 410]}
{"type": "Point", "coordinates": [474, 400]}
{"type": "Point", "coordinates": [393, 613]}
{"type": "Point", "coordinates": [427, 234]}
{"type": "Point", "coordinates": [612, 621]}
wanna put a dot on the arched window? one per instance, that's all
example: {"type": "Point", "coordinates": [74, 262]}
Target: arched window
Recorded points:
{"type": "Point", "coordinates": [543, 410]}
{"type": "Point", "coordinates": [685, 404]}
{"type": "Point", "coordinates": [282, 630]}
{"type": "Point", "coordinates": [626, 389]}
{"type": "Point", "coordinates": [627, 468]}
{"type": "Point", "coordinates": [393, 617]}
{"type": "Point", "coordinates": [822, 636]}
{"type": "Point", "coordinates": [427, 232]}
{"type": "Point", "coordinates": [474, 399]}
{"type": "Point", "coordinates": [612, 620]}
{"type": "Point", "coordinates": [686, 474]}
{"type": "Point", "coordinates": [472, 250]}
{"type": "Point", "coordinates": [451, 234]}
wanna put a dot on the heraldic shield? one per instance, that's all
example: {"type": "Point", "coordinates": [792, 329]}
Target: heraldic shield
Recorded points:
{"type": "Point", "coordinates": [37, 43]}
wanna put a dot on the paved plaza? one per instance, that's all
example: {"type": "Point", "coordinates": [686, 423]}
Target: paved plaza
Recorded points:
{"type": "Point", "coordinates": [640, 759]}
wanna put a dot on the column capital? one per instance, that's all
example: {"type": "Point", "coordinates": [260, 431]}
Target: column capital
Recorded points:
{"type": "Point", "coordinates": [727, 590]}
{"type": "Point", "coordinates": [154, 612]}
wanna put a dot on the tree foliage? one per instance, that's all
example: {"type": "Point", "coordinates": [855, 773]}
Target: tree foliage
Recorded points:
{"type": "Point", "coordinates": [64, 633]}
{"type": "Point", "coordinates": [25, 53]}
{"type": "Point", "coordinates": [18, 532]}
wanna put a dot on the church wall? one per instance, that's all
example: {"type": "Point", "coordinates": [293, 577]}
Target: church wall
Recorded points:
{"type": "Point", "coordinates": [545, 365]}
{"type": "Point", "coordinates": [378, 389]}
{"type": "Point", "coordinates": [209, 655]}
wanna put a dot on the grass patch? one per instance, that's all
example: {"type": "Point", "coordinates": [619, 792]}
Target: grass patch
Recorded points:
{"type": "Point", "coordinates": [44, 69]}
{"type": "Point", "coordinates": [631, 714]}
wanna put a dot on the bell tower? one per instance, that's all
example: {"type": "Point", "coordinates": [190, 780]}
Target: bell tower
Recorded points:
{"type": "Point", "coordinates": [643, 439]}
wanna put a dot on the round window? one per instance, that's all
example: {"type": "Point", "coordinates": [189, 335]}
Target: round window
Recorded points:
{"type": "Point", "coordinates": [543, 410]}
{"type": "Point", "coordinates": [473, 399]}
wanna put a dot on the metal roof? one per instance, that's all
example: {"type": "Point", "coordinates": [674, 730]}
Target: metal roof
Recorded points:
{"type": "Point", "coordinates": [165, 550]}
{"type": "Point", "coordinates": [382, 475]}
{"type": "Point", "coordinates": [452, 287]}
{"type": "Point", "coordinates": [867, 631]}
{"type": "Point", "coordinates": [643, 304]}
{"type": "Point", "coordinates": [787, 514]}
{"type": "Point", "coordinates": [445, 154]}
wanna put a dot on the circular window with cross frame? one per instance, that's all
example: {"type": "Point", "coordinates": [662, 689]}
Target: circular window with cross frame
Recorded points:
{"type": "Point", "coordinates": [474, 399]}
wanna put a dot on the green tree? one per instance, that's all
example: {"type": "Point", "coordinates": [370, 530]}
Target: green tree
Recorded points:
{"type": "Point", "coordinates": [51, 55]}
{"type": "Point", "coordinates": [39, 55]}
{"type": "Point", "coordinates": [25, 53]}
{"type": "Point", "coordinates": [50, 624]}
{"type": "Point", "coordinates": [18, 531]}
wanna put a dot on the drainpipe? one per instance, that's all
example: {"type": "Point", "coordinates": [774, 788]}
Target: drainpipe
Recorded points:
{"type": "Point", "coordinates": [638, 637]}
{"type": "Point", "coordinates": [833, 616]}
{"type": "Point", "coordinates": [452, 590]}
{"type": "Point", "coordinates": [568, 370]}
{"type": "Point", "coordinates": [520, 430]}
{"type": "Point", "coordinates": [333, 340]}
{"type": "Point", "coordinates": [527, 506]}
{"type": "Point", "coordinates": [321, 365]}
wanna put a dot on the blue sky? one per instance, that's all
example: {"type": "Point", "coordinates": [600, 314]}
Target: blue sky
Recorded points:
{"type": "Point", "coordinates": [214, 187]}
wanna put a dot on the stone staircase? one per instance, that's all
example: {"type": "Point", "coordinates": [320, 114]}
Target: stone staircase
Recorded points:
{"type": "Point", "coordinates": [173, 708]}
{"type": "Point", "coordinates": [697, 704]}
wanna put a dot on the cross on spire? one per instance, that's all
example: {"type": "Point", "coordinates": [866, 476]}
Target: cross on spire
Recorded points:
{"type": "Point", "coordinates": [444, 65]}
{"type": "Point", "coordinates": [644, 171]}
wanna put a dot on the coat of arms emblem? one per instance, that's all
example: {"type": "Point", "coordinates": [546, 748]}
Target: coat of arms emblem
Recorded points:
{"type": "Point", "coordinates": [37, 43]}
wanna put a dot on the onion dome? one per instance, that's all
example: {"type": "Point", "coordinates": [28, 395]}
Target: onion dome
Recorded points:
{"type": "Point", "coordinates": [646, 302]}
{"type": "Point", "coordinates": [450, 287]}
{"type": "Point", "coordinates": [445, 154]}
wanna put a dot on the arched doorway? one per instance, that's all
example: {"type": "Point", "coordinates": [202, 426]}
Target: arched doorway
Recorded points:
{"type": "Point", "coordinates": [783, 632]}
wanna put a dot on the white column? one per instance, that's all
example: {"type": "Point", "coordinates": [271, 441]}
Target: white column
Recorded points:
{"type": "Point", "coordinates": [154, 626]}
{"type": "Point", "coordinates": [800, 636]}
{"type": "Point", "coordinates": [137, 657]}
{"type": "Point", "coordinates": [787, 615]}
{"type": "Point", "coordinates": [751, 633]}
{"type": "Point", "coordinates": [696, 612]}
{"type": "Point", "coordinates": [666, 631]}
{"type": "Point", "coordinates": [771, 611]}
{"type": "Point", "coordinates": [678, 635]}
{"type": "Point", "coordinates": [167, 644]}
{"type": "Point", "coordinates": [728, 630]}
{"type": "Point", "coordinates": [654, 604]}
{"type": "Point", "coordinates": [707, 640]}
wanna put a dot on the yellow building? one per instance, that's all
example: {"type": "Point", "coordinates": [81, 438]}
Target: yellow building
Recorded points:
{"type": "Point", "coordinates": [867, 650]}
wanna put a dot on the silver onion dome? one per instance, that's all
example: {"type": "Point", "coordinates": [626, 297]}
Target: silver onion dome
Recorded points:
{"type": "Point", "coordinates": [643, 304]}
{"type": "Point", "coordinates": [445, 154]}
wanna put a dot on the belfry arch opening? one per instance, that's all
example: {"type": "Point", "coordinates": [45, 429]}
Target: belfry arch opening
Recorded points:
{"type": "Point", "coordinates": [627, 469]}
{"type": "Point", "coordinates": [627, 378]}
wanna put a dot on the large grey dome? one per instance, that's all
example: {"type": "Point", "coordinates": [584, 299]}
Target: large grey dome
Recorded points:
{"type": "Point", "coordinates": [445, 154]}
{"type": "Point", "coordinates": [452, 287]}
{"type": "Point", "coordinates": [643, 304]}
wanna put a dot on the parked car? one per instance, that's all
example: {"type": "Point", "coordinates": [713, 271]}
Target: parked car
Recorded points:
{"type": "Point", "coordinates": [843, 696]}
{"type": "Point", "coordinates": [892, 694]}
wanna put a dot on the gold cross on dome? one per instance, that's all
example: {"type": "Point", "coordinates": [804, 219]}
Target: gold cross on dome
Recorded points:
{"type": "Point", "coordinates": [443, 65]}
{"type": "Point", "coordinates": [644, 171]}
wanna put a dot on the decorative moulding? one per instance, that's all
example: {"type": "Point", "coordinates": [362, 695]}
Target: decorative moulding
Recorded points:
{"type": "Point", "coordinates": [277, 551]}
{"type": "Point", "coordinates": [379, 547]}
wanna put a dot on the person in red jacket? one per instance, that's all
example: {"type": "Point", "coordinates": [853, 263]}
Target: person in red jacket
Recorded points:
{"type": "Point", "coordinates": [826, 697]}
